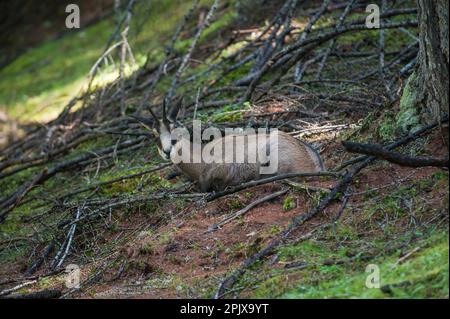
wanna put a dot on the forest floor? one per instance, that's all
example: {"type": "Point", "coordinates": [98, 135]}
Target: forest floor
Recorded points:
{"type": "Point", "coordinates": [144, 236]}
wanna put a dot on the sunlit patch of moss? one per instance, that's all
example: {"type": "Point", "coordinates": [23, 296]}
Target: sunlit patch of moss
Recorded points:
{"type": "Point", "coordinates": [233, 48]}
{"type": "Point", "coordinates": [56, 66]}
{"type": "Point", "coordinates": [308, 250]}
{"type": "Point", "coordinates": [39, 83]}
{"type": "Point", "coordinates": [49, 282]}
{"type": "Point", "coordinates": [422, 275]}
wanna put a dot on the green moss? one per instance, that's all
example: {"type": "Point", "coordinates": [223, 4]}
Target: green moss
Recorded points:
{"type": "Point", "coordinates": [234, 204]}
{"type": "Point", "coordinates": [229, 113]}
{"type": "Point", "coordinates": [387, 128]}
{"type": "Point", "coordinates": [423, 275]}
{"type": "Point", "coordinates": [438, 176]}
{"type": "Point", "coordinates": [289, 203]}
{"type": "Point", "coordinates": [274, 287]}
{"type": "Point", "coordinates": [408, 119]}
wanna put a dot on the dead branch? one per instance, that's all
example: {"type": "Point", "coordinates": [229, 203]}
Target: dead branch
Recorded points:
{"type": "Point", "coordinates": [410, 137]}
{"type": "Point", "coordinates": [332, 44]}
{"type": "Point", "coordinates": [394, 157]}
{"type": "Point", "coordinates": [299, 69]}
{"type": "Point", "coordinates": [187, 57]}
{"type": "Point", "coordinates": [267, 180]}
{"type": "Point", "coordinates": [43, 294]}
{"type": "Point", "coordinates": [15, 288]}
{"type": "Point", "coordinates": [243, 211]}
{"type": "Point", "coordinates": [38, 263]}
{"type": "Point", "coordinates": [10, 202]}
{"type": "Point", "coordinates": [65, 247]}
{"type": "Point", "coordinates": [115, 180]}
{"type": "Point", "coordinates": [287, 58]}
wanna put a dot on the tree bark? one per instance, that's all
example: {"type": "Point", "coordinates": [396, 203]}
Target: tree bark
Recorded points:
{"type": "Point", "coordinates": [432, 77]}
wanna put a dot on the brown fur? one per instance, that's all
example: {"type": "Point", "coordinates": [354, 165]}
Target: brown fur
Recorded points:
{"type": "Point", "coordinates": [294, 156]}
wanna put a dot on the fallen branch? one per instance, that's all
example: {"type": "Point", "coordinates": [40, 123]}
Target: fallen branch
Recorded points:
{"type": "Point", "coordinates": [394, 157]}
{"type": "Point", "coordinates": [408, 138]}
{"type": "Point", "coordinates": [306, 187]}
{"type": "Point", "coordinates": [243, 211]}
{"type": "Point", "coordinates": [267, 180]}
{"type": "Point", "coordinates": [43, 294]}
{"type": "Point", "coordinates": [187, 57]}
{"type": "Point", "coordinates": [115, 180]}
{"type": "Point", "coordinates": [8, 203]}
{"type": "Point", "coordinates": [15, 288]}
{"type": "Point", "coordinates": [65, 247]}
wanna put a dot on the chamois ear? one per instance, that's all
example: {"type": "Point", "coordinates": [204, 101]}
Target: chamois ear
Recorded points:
{"type": "Point", "coordinates": [148, 123]}
{"type": "Point", "coordinates": [164, 113]}
{"type": "Point", "coordinates": [155, 118]}
{"type": "Point", "coordinates": [173, 114]}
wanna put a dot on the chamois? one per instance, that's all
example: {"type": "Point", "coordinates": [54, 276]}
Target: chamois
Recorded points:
{"type": "Point", "coordinates": [294, 156]}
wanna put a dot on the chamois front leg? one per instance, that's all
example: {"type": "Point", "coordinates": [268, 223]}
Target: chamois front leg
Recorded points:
{"type": "Point", "coordinates": [173, 174]}
{"type": "Point", "coordinates": [203, 183]}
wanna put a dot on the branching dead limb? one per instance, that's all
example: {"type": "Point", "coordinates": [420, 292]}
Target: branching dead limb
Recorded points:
{"type": "Point", "coordinates": [267, 180]}
{"type": "Point", "coordinates": [410, 137]}
{"type": "Point", "coordinates": [243, 211]}
{"type": "Point", "coordinates": [43, 294]}
{"type": "Point", "coordinates": [8, 203]}
{"type": "Point", "coordinates": [332, 44]}
{"type": "Point", "coordinates": [188, 55]}
{"type": "Point", "coordinates": [394, 157]}
{"type": "Point", "coordinates": [115, 180]}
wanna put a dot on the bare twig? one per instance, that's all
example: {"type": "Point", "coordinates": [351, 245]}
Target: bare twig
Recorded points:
{"type": "Point", "coordinates": [243, 211]}
{"type": "Point", "coordinates": [188, 55]}
{"type": "Point", "coordinates": [267, 180]}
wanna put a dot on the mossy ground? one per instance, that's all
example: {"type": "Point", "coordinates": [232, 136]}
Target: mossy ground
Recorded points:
{"type": "Point", "coordinates": [38, 84]}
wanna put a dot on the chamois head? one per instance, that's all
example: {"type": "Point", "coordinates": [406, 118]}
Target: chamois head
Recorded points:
{"type": "Point", "coordinates": [162, 128]}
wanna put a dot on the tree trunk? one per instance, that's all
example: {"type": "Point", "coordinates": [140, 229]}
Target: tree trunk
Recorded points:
{"type": "Point", "coordinates": [433, 58]}
{"type": "Point", "coordinates": [425, 97]}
